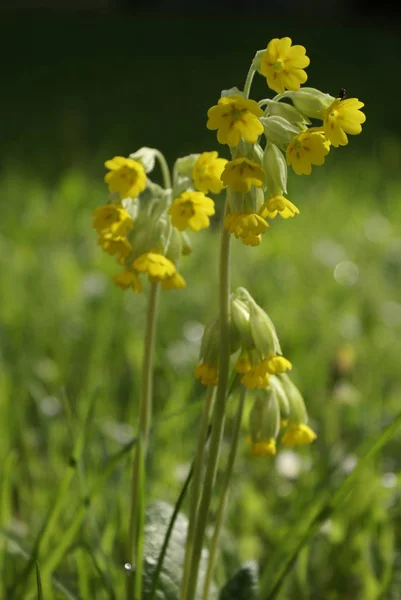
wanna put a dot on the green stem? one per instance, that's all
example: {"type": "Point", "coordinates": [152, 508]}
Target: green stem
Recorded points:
{"type": "Point", "coordinates": [195, 489]}
{"type": "Point", "coordinates": [164, 169]}
{"type": "Point", "coordinates": [248, 80]}
{"type": "Point", "coordinates": [218, 415]}
{"type": "Point", "coordinates": [145, 415]}
{"type": "Point", "coordinates": [224, 494]}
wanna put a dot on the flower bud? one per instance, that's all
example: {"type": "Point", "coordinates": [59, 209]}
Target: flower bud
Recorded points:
{"type": "Point", "coordinates": [264, 418]}
{"type": "Point", "coordinates": [263, 332]}
{"type": "Point", "coordinates": [278, 130]}
{"type": "Point", "coordinates": [310, 101]}
{"type": "Point", "coordinates": [184, 166]}
{"type": "Point", "coordinates": [298, 413]}
{"type": "Point", "coordinates": [286, 111]}
{"type": "Point", "coordinates": [240, 320]}
{"type": "Point", "coordinates": [281, 397]}
{"type": "Point", "coordinates": [275, 168]}
{"type": "Point", "coordinates": [146, 156]}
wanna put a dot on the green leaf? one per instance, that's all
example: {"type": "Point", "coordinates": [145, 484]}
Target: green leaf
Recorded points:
{"type": "Point", "coordinates": [158, 515]}
{"type": "Point", "coordinates": [244, 585]}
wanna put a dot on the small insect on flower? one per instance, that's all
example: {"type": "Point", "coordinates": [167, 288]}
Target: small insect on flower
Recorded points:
{"type": "Point", "coordinates": [342, 94]}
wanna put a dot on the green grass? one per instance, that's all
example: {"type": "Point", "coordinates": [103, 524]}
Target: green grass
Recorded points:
{"type": "Point", "coordinates": [70, 351]}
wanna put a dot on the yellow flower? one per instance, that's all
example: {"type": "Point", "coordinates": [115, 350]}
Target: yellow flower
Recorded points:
{"type": "Point", "coordinates": [265, 448]}
{"type": "Point", "coordinates": [241, 173]}
{"type": "Point", "coordinates": [256, 377]}
{"type": "Point", "coordinates": [207, 171]}
{"type": "Point", "coordinates": [282, 65]}
{"type": "Point", "coordinates": [191, 209]}
{"type": "Point", "coordinates": [157, 266]}
{"type": "Point", "coordinates": [127, 279]}
{"type": "Point", "coordinates": [278, 204]}
{"type": "Point", "coordinates": [277, 364]}
{"type": "Point", "coordinates": [234, 117]}
{"type": "Point", "coordinates": [308, 148]}
{"type": "Point", "coordinates": [342, 117]}
{"type": "Point", "coordinates": [243, 365]}
{"type": "Point", "coordinates": [246, 226]}
{"type": "Point", "coordinates": [298, 434]}
{"type": "Point", "coordinates": [176, 281]}
{"type": "Point", "coordinates": [116, 246]}
{"type": "Point", "coordinates": [127, 176]}
{"type": "Point", "coordinates": [207, 374]}
{"type": "Point", "coordinates": [112, 219]}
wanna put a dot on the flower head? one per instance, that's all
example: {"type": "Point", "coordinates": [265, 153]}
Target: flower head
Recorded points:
{"type": "Point", "coordinates": [255, 377]}
{"type": "Point", "coordinates": [298, 435]}
{"type": "Point", "coordinates": [117, 246]}
{"type": "Point", "coordinates": [264, 448]}
{"type": "Point", "coordinates": [207, 374]}
{"type": "Point", "coordinates": [278, 204]}
{"type": "Point", "coordinates": [126, 176]}
{"type": "Point", "coordinates": [156, 265]}
{"type": "Point", "coordinates": [282, 65]}
{"type": "Point", "coordinates": [310, 147]}
{"type": "Point", "coordinates": [176, 281]}
{"type": "Point", "coordinates": [246, 226]}
{"type": "Point", "coordinates": [112, 219]}
{"type": "Point", "coordinates": [127, 279]}
{"type": "Point", "coordinates": [277, 364]}
{"type": "Point", "coordinates": [241, 173]}
{"type": "Point", "coordinates": [234, 117]}
{"type": "Point", "coordinates": [342, 117]}
{"type": "Point", "coordinates": [191, 209]}
{"type": "Point", "coordinates": [206, 172]}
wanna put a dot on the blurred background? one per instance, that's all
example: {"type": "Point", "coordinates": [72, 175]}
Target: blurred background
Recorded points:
{"type": "Point", "coordinates": [86, 80]}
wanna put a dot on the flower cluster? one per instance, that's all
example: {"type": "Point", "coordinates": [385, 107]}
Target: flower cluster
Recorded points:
{"type": "Point", "coordinates": [144, 225]}
{"type": "Point", "coordinates": [279, 412]}
{"type": "Point", "coordinates": [266, 136]}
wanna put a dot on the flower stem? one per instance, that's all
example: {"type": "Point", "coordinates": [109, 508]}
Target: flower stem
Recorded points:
{"type": "Point", "coordinates": [248, 81]}
{"type": "Point", "coordinates": [224, 494]}
{"type": "Point", "coordinates": [195, 489]}
{"type": "Point", "coordinates": [164, 169]}
{"type": "Point", "coordinates": [218, 415]}
{"type": "Point", "coordinates": [145, 416]}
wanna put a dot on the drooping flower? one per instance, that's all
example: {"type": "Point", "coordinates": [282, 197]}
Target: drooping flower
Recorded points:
{"type": "Point", "coordinates": [234, 117]}
{"type": "Point", "coordinates": [246, 226]}
{"type": "Point", "coordinates": [207, 374]}
{"type": "Point", "coordinates": [241, 173]}
{"type": "Point", "coordinates": [191, 209]}
{"type": "Point", "coordinates": [127, 279]}
{"type": "Point", "coordinates": [207, 171]}
{"type": "Point", "coordinates": [298, 435]}
{"type": "Point", "coordinates": [256, 377]}
{"type": "Point", "coordinates": [264, 448]}
{"type": "Point", "coordinates": [278, 204]}
{"type": "Point", "coordinates": [342, 117]}
{"type": "Point", "coordinates": [282, 65]}
{"type": "Point", "coordinates": [243, 364]}
{"type": "Point", "coordinates": [127, 176]}
{"type": "Point", "coordinates": [156, 265]}
{"type": "Point", "coordinates": [310, 147]}
{"type": "Point", "coordinates": [112, 219]}
{"type": "Point", "coordinates": [176, 281]}
{"type": "Point", "coordinates": [277, 364]}
{"type": "Point", "coordinates": [117, 246]}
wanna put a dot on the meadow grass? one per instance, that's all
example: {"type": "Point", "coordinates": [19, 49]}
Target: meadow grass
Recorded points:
{"type": "Point", "coordinates": [71, 348]}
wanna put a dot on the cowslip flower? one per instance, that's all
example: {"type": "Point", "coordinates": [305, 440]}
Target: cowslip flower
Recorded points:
{"type": "Point", "coordinates": [234, 117]}
{"type": "Point", "coordinates": [176, 282]}
{"type": "Point", "coordinates": [282, 64]}
{"type": "Point", "coordinates": [127, 176]}
{"type": "Point", "coordinates": [191, 209]}
{"type": "Point", "coordinates": [207, 171]}
{"type": "Point", "coordinates": [127, 279]}
{"type": "Point", "coordinates": [264, 448]}
{"type": "Point", "coordinates": [112, 219]}
{"type": "Point", "coordinates": [207, 374]}
{"type": "Point", "coordinates": [277, 364]}
{"type": "Point", "coordinates": [246, 226]}
{"type": "Point", "coordinates": [115, 246]}
{"type": "Point", "coordinates": [298, 435]}
{"type": "Point", "coordinates": [241, 173]}
{"type": "Point", "coordinates": [256, 377]}
{"type": "Point", "coordinates": [342, 117]}
{"type": "Point", "coordinates": [156, 265]}
{"type": "Point", "coordinates": [278, 204]}
{"type": "Point", "coordinates": [310, 147]}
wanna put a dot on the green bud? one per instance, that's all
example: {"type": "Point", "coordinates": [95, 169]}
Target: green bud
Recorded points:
{"type": "Point", "coordinates": [275, 168]}
{"type": "Point", "coordinates": [281, 397]}
{"type": "Point", "coordinates": [240, 320]}
{"type": "Point", "coordinates": [257, 60]}
{"type": "Point", "coordinates": [209, 350]}
{"type": "Point", "coordinates": [263, 332]}
{"type": "Point", "coordinates": [310, 102]}
{"type": "Point", "coordinates": [298, 413]}
{"type": "Point", "coordinates": [264, 418]}
{"type": "Point", "coordinates": [286, 111]}
{"type": "Point", "coordinates": [174, 244]}
{"type": "Point", "coordinates": [146, 156]}
{"type": "Point", "coordinates": [278, 130]}
{"type": "Point", "coordinates": [183, 166]}
{"type": "Point", "coordinates": [234, 91]}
